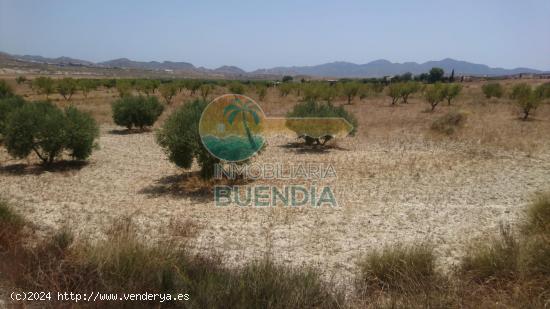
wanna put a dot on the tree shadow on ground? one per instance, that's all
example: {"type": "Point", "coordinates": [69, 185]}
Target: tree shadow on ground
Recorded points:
{"type": "Point", "coordinates": [302, 148]}
{"type": "Point", "coordinates": [129, 131]}
{"type": "Point", "coordinates": [37, 169]}
{"type": "Point", "coordinates": [189, 185]}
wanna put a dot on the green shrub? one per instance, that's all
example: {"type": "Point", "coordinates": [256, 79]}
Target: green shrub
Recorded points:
{"type": "Point", "coordinates": [81, 131]}
{"type": "Point", "coordinates": [87, 85]}
{"type": "Point", "coordinates": [180, 139]}
{"type": "Point", "coordinates": [350, 90]}
{"type": "Point", "coordinates": [527, 99]}
{"type": "Point", "coordinates": [492, 90]}
{"type": "Point", "coordinates": [434, 94]}
{"type": "Point", "coordinates": [123, 87]}
{"type": "Point", "coordinates": [5, 89]}
{"type": "Point", "coordinates": [394, 92]}
{"type": "Point", "coordinates": [67, 87]}
{"type": "Point", "coordinates": [236, 88]}
{"type": "Point", "coordinates": [205, 90]}
{"type": "Point", "coordinates": [451, 91]}
{"type": "Point", "coordinates": [436, 75]}
{"type": "Point", "coordinates": [46, 130]}
{"type": "Point", "coordinates": [449, 122]}
{"type": "Point", "coordinates": [136, 111]}
{"type": "Point", "coordinates": [310, 132]}
{"type": "Point", "coordinates": [44, 85]}
{"type": "Point", "coordinates": [168, 91]}
{"type": "Point", "coordinates": [408, 88]}
{"type": "Point", "coordinates": [285, 89]}
{"type": "Point", "coordinates": [398, 269]}
{"type": "Point", "coordinates": [7, 106]}
{"type": "Point", "coordinates": [543, 91]}
{"type": "Point", "coordinates": [496, 259]}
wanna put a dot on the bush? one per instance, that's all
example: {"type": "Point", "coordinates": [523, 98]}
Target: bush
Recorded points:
{"type": "Point", "coordinates": [451, 91]}
{"type": "Point", "coordinates": [538, 216]}
{"type": "Point", "coordinates": [180, 139]}
{"type": "Point", "coordinates": [44, 85]}
{"type": "Point", "coordinates": [11, 225]}
{"type": "Point", "coordinates": [81, 131]}
{"type": "Point", "coordinates": [205, 90]}
{"type": "Point", "coordinates": [350, 90]}
{"type": "Point", "coordinates": [87, 85]}
{"type": "Point", "coordinates": [7, 106]}
{"type": "Point", "coordinates": [168, 91]}
{"type": "Point", "coordinates": [5, 89]}
{"type": "Point", "coordinates": [492, 90]}
{"type": "Point", "coordinates": [123, 87]}
{"type": "Point", "coordinates": [394, 92]}
{"type": "Point", "coordinates": [543, 91]}
{"type": "Point", "coordinates": [449, 122]}
{"type": "Point", "coordinates": [66, 87]}
{"type": "Point", "coordinates": [398, 269]}
{"type": "Point", "coordinates": [122, 263]}
{"type": "Point", "coordinates": [136, 111]}
{"type": "Point", "coordinates": [236, 88]}
{"type": "Point", "coordinates": [46, 130]}
{"type": "Point", "coordinates": [434, 94]}
{"type": "Point", "coordinates": [436, 75]}
{"type": "Point", "coordinates": [526, 98]}
{"type": "Point", "coordinates": [496, 259]}
{"type": "Point", "coordinates": [312, 109]}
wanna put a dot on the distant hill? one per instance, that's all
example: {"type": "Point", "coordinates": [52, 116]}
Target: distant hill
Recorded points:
{"type": "Point", "coordinates": [378, 68]}
{"type": "Point", "coordinates": [151, 65]}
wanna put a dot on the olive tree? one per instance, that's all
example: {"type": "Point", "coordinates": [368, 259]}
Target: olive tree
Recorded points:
{"type": "Point", "coordinates": [451, 91]}
{"type": "Point", "coordinates": [309, 132]}
{"type": "Point", "coordinates": [394, 92]}
{"type": "Point", "coordinates": [168, 91]}
{"type": "Point", "coordinates": [136, 111]}
{"type": "Point", "coordinates": [7, 106]}
{"type": "Point", "coordinates": [492, 90]}
{"type": "Point", "coordinates": [434, 94]}
{"type": "Point", "coordinates": [66, 87]}
{"type": "Point", "coordinates": [87, 85]}
{"type": "Point", "coordinates": [205, 90]}
{"type": "Point", "coordinates": [526, 98]}
{"type": "Point", "coordinates": [350, 90]}
{"type": "Point", "coordinates": [179, 137]}
{"type": "Point", "coordinates": [44, 85]}
{"type": "Point", "coordinates": [435, 75]}
{"type": "Point", "coordinates": [408, 88]}
{"type": "Point", "coordinates": [48, 131]}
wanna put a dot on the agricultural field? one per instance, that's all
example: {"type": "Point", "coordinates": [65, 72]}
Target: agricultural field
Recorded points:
{"type": "Point", "coordinates": [431, 173]}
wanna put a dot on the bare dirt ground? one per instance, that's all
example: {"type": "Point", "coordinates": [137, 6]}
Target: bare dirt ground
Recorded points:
{"type": "Point", "coordinates": [396, 183]}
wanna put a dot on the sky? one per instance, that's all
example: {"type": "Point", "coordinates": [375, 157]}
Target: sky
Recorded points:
{"type": "Point", "coordinates": [264, 34]}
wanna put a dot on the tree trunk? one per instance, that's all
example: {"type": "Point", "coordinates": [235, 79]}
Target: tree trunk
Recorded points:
{"type": "Point", "coordinates": [248, 134]}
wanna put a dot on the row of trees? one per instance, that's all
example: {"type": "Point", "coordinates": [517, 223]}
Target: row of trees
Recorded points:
{"type": "Point", "coordinates": [44, 129]}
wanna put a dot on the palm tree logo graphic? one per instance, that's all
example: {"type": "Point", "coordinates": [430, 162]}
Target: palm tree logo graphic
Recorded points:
{"type": "Point", "coordinates": [237, 108]}
{"type": "Point", "coordinates": [231, 128]}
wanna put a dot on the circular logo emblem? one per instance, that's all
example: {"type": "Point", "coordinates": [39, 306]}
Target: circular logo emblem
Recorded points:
{"type": "Point", "coordinates": [230, 127]}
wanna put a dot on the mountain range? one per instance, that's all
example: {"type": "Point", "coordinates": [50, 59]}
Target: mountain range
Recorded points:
{"type": "Point", "coordinates": [377, 68]}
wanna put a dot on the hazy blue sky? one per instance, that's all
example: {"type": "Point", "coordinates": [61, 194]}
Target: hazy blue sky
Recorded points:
{"type": "Point", "coordinates": [260, 34]}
